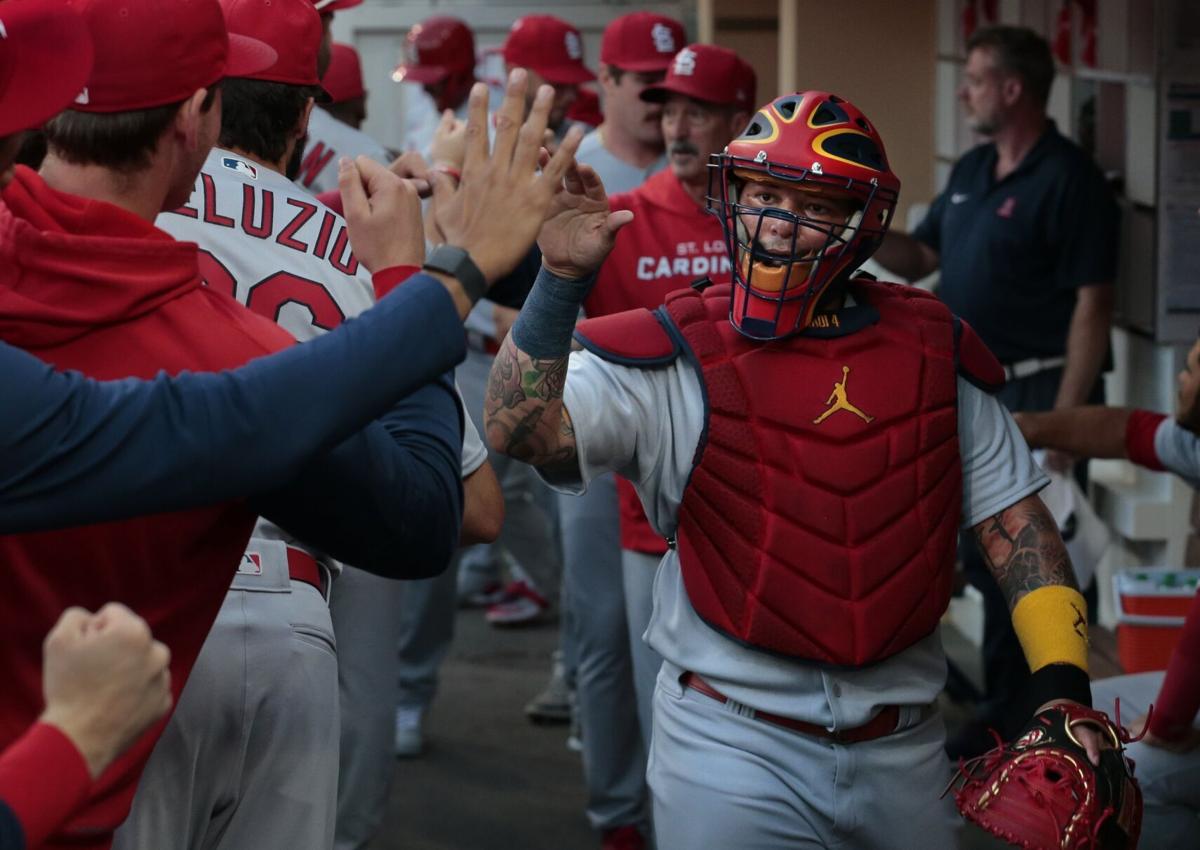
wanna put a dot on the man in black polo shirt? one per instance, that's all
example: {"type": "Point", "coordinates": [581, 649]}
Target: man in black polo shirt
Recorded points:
{"type": "Point", "coordinates": [1025, 236]}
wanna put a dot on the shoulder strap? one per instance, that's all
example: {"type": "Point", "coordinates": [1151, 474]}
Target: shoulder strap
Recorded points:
{"type": "Point", "coordinates": [633, 338]}
{"type": "Point", "coordinates": [975, 360]}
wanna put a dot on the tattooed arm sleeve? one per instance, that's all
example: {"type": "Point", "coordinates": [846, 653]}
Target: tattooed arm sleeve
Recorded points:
{"type": "Point", "coordinates": [524, 412]}
{"type": "Point", "coordinates": [1024, 550]}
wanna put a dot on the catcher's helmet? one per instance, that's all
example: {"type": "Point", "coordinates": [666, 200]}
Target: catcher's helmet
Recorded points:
{"type": "Point", "coordinates": [812, 142]}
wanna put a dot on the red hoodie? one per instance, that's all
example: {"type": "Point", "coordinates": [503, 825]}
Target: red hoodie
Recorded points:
{"type": "Point", "coordinates": [87, 286]}
{"type": "Point", "coordinates": [671, 242]}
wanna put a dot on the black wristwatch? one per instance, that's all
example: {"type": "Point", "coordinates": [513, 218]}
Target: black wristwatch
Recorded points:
{"type": "Point", "coordinates": [457, 263]}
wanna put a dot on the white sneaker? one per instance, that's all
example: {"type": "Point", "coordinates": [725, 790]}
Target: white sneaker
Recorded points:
{"type": "Point", "coordinates": [410, 737]}
{"type": "Point", "coordinates": [553, 704]}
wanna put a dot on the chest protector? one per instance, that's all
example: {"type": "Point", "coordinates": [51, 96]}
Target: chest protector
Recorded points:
{"type": "Point", "coordinates": [822, 513]}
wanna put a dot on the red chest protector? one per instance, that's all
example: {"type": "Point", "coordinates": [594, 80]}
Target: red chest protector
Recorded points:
{"type": "Point", "coordinates": [821, 516]}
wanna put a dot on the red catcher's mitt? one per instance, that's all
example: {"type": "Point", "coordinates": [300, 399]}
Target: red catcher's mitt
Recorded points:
{"type": "Point", "coordinates": [1041, 791]}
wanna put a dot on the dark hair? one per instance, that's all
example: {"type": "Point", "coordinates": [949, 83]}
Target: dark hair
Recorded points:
{"type": "Point", "coordinates": [122, 141]}
{"type": "Point", "coordinates": [616, 73]}
{"type": "Point", "coordinates": [258, 116]}
{"type": "Point", "coordinates": [1022, 52]}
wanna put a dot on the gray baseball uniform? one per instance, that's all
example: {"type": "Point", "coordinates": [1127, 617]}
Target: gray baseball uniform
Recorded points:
{"type": "Point", "coordinates": [718, 777]}
{"type": "Point", "coordinates": [308, 281]}
{"type": "Point", "coordinates": [606, 598]}
{"type": "Point", "coordinates": [372, 615]}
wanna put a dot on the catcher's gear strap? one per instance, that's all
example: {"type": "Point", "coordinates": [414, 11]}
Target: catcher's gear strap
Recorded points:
{"type": "Point", "coordinates": [634, 338]}
{"type": "Point", "coordinates": [1051, 623]}
{"type": "Point", "coordinates": [975, 360]}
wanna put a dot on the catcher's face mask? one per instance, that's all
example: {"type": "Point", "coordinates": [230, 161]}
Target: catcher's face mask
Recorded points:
{"type": "Point", "coordinates": [804, 196]}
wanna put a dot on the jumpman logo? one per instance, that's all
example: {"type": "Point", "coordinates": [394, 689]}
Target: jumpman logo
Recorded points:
{"type": "Point", "coordinates": [1080, 624]}
{"type": "Point", "coordinates": [838, 399]}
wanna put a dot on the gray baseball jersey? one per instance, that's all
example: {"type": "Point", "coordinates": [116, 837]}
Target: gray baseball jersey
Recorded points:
{"type": "Point", "coordinates": [1178, 450]}
{"type": "Point", "coordinates": [328, 140]}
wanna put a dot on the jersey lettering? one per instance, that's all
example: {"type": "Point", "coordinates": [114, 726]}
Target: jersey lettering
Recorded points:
{"type": "Point", "coordinates": [286, 236]}
{"type": "Point", "coordinates": [315, 160]}
{"type": "Point", "coordinates": [342, 248]}
{"type": "Point", "coordinates": [210, 203]}
{"type": "Point", "coordinates": [657, 268]}
{"type": "Point", "coordinates": [263, 229]}
{"type": "Point", "coordinates": [322, 244]}
{"type": "Point", "coordinates": [269, 295]}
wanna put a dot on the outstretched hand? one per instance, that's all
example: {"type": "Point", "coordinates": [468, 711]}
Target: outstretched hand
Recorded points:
{"type": "Point", "coordinates": [499, 206]}
{"type": "Point", "coordinates": [580, 229]}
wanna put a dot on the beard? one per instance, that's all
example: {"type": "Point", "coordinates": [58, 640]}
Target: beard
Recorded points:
{"type": "Point", "coordinates": [292, 169]}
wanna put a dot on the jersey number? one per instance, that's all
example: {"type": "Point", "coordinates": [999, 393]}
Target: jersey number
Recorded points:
{"type": "Point", "coordinates": [269, 295]}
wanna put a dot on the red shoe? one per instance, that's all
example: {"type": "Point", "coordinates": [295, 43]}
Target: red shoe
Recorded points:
{"type": "Point", "coordinates": [627, 837]}
{"type": "Point", "coordinates": [521, 604]}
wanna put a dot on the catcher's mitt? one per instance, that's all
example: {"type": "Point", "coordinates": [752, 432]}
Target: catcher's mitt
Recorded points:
{"type": "Point", "coordinates": [1041, 791]}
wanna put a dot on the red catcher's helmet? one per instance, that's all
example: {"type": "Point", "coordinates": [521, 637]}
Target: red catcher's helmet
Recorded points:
{"type": "Point", "coordinates": [811, 141]}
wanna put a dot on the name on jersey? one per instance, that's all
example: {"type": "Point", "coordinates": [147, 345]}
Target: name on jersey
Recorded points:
{"type": "Point", "coordinates": [692, 259]}
{"type": "Point", "coordinates": [262, 215]}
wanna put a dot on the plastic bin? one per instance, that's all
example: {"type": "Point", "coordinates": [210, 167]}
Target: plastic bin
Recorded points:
{"type": "Point", "coordinates": [1151, 603]}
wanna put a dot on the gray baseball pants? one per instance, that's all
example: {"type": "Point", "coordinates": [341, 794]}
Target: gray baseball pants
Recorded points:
{"type": "Point", "coordinates": [614, 753]}
{"type": "Point", "coordinates": [720, 779]}
{"type": "Point", "coordinates": [1170, 781]}
{"type": "Point", "coordinates": [249, 758]}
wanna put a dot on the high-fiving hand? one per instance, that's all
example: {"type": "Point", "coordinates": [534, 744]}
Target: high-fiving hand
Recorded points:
{"type": "Point", "coordinates": [580, 229]}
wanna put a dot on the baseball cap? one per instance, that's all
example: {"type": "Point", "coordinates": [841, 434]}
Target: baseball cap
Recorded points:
{"type": "Point", "coordinates": [291, 27]}
{"type": "Point", "coordinates": [642, 41]}
{"type": "Point", "coordinates": [436, 48]}
{"type": "Point", "coordinates": [708, 73]}
{"type": "Point", "coordinates": [45, 58]}
{"type": "Point", "coordinates": [548, 45]}
{"type": "Point", "coordinates": [344, 79]}
{"type": "Point", "coordinates": [156, 52]}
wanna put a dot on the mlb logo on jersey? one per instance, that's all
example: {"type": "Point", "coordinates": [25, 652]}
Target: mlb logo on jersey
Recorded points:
{"type": "Point", "coordinates": [240, 166]}
{"type": "Point", "coordinates": [251, 564]}
{"type": "Point", "coordinates": [685, 63]}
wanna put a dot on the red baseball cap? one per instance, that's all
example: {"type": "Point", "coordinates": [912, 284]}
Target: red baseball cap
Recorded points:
{"type": "Point", "coordinates": [436, 48]}
{"type": "Point", "coordinates": [291, 27]}
{"type": "Point", "coordinates": [586, 108]}
{"type": "Point", "coordinates": [156, 52]}
{"type": "Point", "coordinates": [708, 73]}
{"type": "Point", "coordinates": [328, 7]}
{"type": "Point", "coordinates": [344, 79]}
{"type": "Point", "coordinates": [548, 45]}
{"type": "Point", "coordinates": [45, 59]}
{"type": "Point", "coordinates": [642, 41]}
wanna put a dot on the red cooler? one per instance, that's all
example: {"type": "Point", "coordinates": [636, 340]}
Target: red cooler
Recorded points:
{"type": "Point", "coordinates": [1151, 604]}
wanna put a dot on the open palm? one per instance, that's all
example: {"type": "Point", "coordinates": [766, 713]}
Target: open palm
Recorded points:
{"type": "Point", "coordinates": [579, 230]}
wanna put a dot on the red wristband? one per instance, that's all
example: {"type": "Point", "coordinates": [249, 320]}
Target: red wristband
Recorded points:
{"type": "Point", "coordinates": [1139, 438]}
{"type": "Point", "coordinates": [453, 172]}
{"type": "Point", "coordinates": [386, 280]}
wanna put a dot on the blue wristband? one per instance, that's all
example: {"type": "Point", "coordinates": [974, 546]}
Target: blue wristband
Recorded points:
{"type": "Point", "coordinates": [547, 320]}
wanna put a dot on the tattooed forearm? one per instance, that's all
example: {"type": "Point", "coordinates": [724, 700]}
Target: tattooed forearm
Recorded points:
{"type": "Point", "coordinates": [523, 411]}
{"type": "Point", "coordinates": [1024, 550]}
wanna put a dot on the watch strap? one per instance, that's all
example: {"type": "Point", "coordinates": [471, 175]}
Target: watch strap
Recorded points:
{"type": "Point", "coordinates": [456, 262]}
